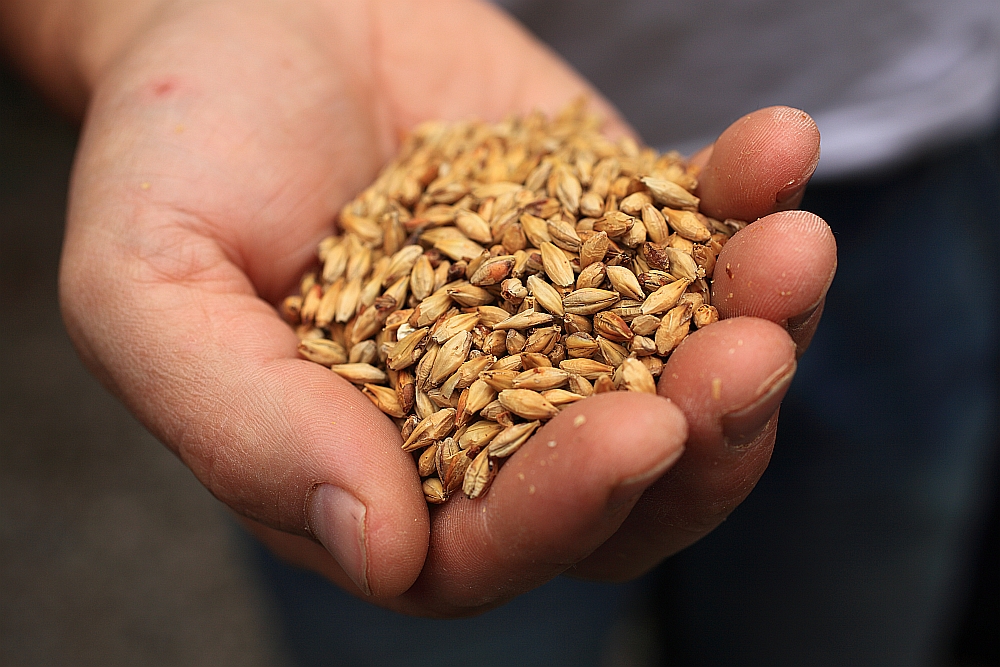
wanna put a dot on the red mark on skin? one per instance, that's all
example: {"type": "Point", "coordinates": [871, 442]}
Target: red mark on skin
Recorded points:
{"type": "Point", "coordinates": [163, 87]}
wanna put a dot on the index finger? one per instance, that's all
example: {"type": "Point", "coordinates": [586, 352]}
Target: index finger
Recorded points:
{"type": "Point", "coordinates": [760, 164]}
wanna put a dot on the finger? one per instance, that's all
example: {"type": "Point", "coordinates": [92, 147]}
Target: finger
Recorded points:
{"type": "Point", "coordinates": [212, 371]}
{"type": "Point", "coordinates": [760, 164]}
{"type": "Point", "coordinates": [728, 379]}
{"type": "Point", "coordinates": [780, 269]}
{"type": "Point", "coordinates": [553, 502]}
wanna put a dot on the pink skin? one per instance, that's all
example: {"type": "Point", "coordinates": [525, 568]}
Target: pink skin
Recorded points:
{"type": "Point", "coordinates": [759, 165]}
{"type": "Point", "coordinates": [220, 141]}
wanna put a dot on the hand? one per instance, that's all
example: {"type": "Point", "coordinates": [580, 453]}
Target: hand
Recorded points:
{"type": "Point", "coordinates": [220, 141]}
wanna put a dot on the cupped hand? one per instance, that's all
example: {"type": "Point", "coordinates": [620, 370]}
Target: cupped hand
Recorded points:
{"type": "Point", "coordinates": [220, 141]}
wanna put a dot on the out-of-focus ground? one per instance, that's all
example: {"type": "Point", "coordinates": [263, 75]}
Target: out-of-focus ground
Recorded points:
{"type": "Point", "coordinates": [111, 553]}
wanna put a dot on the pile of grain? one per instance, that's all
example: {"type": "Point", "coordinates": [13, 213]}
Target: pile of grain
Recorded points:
{"type": "Point", "coordinates": [495, 273]}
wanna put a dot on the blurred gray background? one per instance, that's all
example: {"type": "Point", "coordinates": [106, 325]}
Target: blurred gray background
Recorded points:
{"type": "Point", "coordinates": [111, 553]}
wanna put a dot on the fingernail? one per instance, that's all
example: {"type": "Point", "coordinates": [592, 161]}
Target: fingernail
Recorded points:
{"type": "Point", "coordinates": [337, 520]}
{"type": "Point", "coordinates": [742, 426]}
{"type": "Point", "coordinates": [800, 320]}
{"type": "Point", "coordinates": [791, 195]}
{"type": "Point", "coordinates": [630, 488]}
{"type": "Point", "coordinates": [802, 327]}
